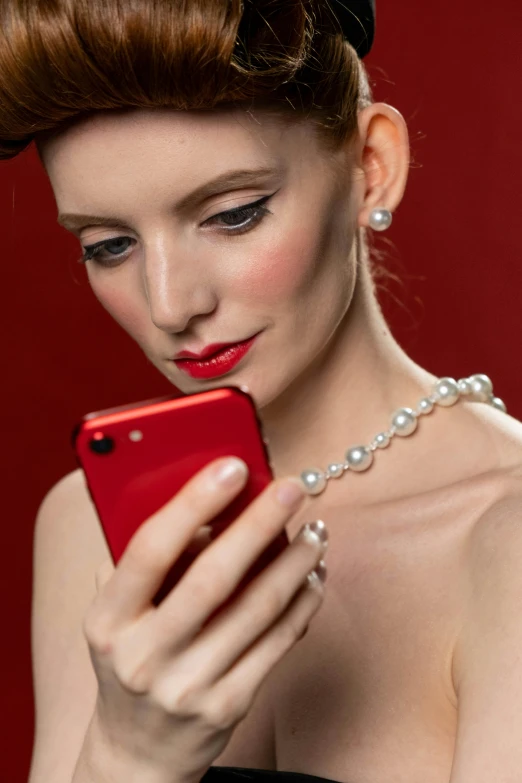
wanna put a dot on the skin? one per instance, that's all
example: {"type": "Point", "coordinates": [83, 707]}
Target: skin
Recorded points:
{"type": "Point", "coordinates": [326, 373]}
{"type": "Point", "coordinates": [185, 285]}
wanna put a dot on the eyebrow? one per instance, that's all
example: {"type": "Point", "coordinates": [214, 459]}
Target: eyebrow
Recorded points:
{"type": "Point", "coordinates": [226, 181]}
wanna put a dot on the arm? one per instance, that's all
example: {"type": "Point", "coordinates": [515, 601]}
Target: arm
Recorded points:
{"type": "Point", "coordinates": [69, 548]}
{"type": "Point", "coordinates": [488, 660]}
{"type": "Point", "coordinates": [98, 765]}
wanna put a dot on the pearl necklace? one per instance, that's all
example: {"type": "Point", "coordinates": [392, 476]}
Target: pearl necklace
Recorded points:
{"type": "Point", "coordinates": [445, 393]}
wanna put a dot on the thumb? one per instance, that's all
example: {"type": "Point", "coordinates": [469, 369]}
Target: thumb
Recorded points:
{"type": "Point", "coordinates": [103, 574]}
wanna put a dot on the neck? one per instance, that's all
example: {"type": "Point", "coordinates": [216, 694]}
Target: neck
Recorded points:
{"type": "Point", "coordinates": [349, 394]}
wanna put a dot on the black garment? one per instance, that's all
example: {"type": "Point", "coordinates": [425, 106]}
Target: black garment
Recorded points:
{"type": "Point", "coordinates": [245, 775]}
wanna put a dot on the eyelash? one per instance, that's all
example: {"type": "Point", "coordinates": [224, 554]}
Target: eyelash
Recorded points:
{"type": "Point", "coordinates": [93, 252]}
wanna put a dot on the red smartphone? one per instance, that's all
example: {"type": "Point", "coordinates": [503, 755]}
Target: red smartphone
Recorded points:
{"type": "Point", "coordinates": [136, 457]}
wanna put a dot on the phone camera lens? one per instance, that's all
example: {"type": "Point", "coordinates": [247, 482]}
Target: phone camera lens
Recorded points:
{"type": "Point", "coordinates": [101, 444]}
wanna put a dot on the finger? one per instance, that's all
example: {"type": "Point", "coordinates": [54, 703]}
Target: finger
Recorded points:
{"type": "Point", "coordinates": [202, 538]}
{"type": "Point", "coordinates": [237, 689]}
{"type": "Point", "coordinates": [103, 574]}
{"type": "Point", "coordinates": [248, 673]}
{"type": "Point", "coordinates": [262, 603]}
{"type": "Point", "coordinates": [160, 540]}
{"type": "Point", "coordinates": [216, 573]}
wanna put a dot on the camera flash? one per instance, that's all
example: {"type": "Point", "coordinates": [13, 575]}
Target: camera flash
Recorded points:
{"type": "Point", "coordinates": [136, 435]}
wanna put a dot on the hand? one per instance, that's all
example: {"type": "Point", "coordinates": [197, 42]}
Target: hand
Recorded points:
{"type": "Point", "coordinates": [170, 691]}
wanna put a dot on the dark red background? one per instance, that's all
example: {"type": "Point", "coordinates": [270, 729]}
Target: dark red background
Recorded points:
{"type": "Point", "coordinates": [452, 68]}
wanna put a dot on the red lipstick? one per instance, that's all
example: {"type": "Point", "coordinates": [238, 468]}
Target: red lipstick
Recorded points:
{"type": "Point", "coordinates": [216, 359]}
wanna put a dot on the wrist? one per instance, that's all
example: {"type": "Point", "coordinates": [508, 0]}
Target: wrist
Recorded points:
{"type": "Point", "coordinates": [102, 762]}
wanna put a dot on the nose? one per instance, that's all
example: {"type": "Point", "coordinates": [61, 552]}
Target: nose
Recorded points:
{"type": "Point", "coordinates": [177, 287]}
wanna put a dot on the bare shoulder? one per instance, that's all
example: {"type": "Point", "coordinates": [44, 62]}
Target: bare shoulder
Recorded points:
{"type": "Point", "coordinates": [487, 670]}
{"type": "Point", "coordinates": [67, 522]}
{"type": "Point", "coordinates": [497, 533]}
{"type": "Point", "coordinates": [501, 437]}
{"type": "Point", "coordinates": [69, 547]}
{"type": "Point", "coordinates": [500, 524]}
{"type": "Point", "coordinates": [493, 553]}
{"type": "Point", "coordinates": [70, 491]}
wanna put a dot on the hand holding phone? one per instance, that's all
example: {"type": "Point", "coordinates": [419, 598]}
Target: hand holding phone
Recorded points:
{"type": "Point", "coordinates": [136, 457]}
{"type": "Point", "coordinates": [181, 641]}
{"type": "Point", "coordinates": [173, 686]}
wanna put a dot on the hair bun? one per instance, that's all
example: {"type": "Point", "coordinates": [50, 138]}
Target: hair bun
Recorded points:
{"type": "Point", "coordinates": [357, 20]}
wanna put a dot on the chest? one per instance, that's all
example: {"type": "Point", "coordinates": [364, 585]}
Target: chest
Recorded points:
{"type": "Point", "coordinates": [367, 695]}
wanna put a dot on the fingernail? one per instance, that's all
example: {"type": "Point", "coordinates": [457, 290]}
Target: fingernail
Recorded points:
{"type": "Point", "coordinates": [291, 493]}
{"type": "Point", "coordinates": [318, 574]}
{"type": "Point", "coordinates": [321, 571]}
{"type": "Point", "coordinates": [230, 471]}
{"type": "Point", "coordinates": [316, 529]}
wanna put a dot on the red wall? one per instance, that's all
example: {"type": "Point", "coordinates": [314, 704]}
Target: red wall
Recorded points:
{"type": "Point", "coordinates": [452, 69]}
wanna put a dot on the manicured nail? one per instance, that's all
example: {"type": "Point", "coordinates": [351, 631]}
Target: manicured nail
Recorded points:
{"type": "Point", "coordinates": [318, 574]}
{"type": "Point", "coordinates": [231, 471]}
{"type": "Point", "coordinates": [318, 530]}
{"type": "Point", "coordinates": [291, 493]}
{"type": "Point", "coordinates": [321, 571]}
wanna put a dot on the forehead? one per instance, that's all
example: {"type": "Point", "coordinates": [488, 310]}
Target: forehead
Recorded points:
{"type": "Point", "coordinates": [156, 141]}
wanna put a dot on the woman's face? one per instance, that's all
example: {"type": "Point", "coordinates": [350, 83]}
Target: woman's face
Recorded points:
{"type": "Point", "coordinates": [176, 272]}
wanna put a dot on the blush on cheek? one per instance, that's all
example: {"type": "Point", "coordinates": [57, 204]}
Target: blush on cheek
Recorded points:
{"type": "Point", "coordinates": [278, 269]}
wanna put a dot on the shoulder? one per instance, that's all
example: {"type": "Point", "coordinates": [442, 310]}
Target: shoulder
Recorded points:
{"type": "Point", "coordinates": [495, 541]}
{"type": "Point", "coordinates": [67, 522]}
{"type": "Point", "coordinates": [492, 573]}
{"type": "Point", "coordinates": [70, 492]}
{"type": "Point", "coordinates": [487, 667]}
{"type": "Point", "coordinates": [497, 532]}
{"type": "Point", "coordinates": [500, 522]}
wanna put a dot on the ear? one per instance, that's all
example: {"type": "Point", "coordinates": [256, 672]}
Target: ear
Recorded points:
{"type": "Point", "coordinates": [382, 158]}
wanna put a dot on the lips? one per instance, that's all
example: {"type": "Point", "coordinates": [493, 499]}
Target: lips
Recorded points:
{"type": "Point", "coordinates": [215, 360]}
{"type": "Point", "coordinates": [210, 350]}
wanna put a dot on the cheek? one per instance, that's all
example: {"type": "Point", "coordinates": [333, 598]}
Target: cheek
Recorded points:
{"type": "Point", "coordinates": [117, 296]}
{"type": "Point", "coordinates": [277, 270]}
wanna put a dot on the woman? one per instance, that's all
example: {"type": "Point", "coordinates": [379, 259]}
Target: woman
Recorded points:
{"type": "Point", "coordinates": [143, 114]}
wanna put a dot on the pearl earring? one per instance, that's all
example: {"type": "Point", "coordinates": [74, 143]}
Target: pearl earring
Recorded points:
{"type": "Point", "coordinates": [380, 219]}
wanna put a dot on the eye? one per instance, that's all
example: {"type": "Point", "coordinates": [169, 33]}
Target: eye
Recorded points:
{"type": "Point", "coordinates": [242, 219]}
{"type": "Point", "coordinates": [248, 216]}
{"type": "Point", "coordinates": [112, 246]}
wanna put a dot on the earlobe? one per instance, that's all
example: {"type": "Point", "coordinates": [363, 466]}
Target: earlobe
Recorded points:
{"type": "Point", "coordinates": [384, 157]}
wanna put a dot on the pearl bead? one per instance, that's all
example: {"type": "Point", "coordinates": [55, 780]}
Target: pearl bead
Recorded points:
{"type": "Point", "coordinates": [381, 441]}
{"type": "Point", "coordinates": [335, 470]}
{"type": "Point", "coordinates": [425, 406]}
{"type": "Point", "coordinates": [447, 392]}
{"type": "Point", "coordinates": [359, 458]}
{"type": "Point", "coordinates": [404, 421]}
{"type": "Point", "coordinates": [481, 388]}
{"type": "Point", "coordinates": [380, 219]}
{"type": "Point", "coordinates": [314, 481]}
{"type": "Point", "coordinates": [465, 386]}
{"type": "Point", "coordinates": [499, 404]}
